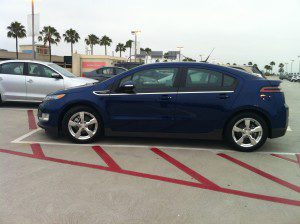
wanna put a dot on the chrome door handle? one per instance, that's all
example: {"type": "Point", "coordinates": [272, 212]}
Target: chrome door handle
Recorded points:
{"type": "Point", "coordinates": [165, 97]}
{"type": "Point", "coordinates": [30, 81]}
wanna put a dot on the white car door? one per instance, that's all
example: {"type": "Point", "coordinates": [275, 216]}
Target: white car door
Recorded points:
{"type": "Point", "coordinates": [39, 82]}
{"type": "Point", "coordinates": [12, 81]}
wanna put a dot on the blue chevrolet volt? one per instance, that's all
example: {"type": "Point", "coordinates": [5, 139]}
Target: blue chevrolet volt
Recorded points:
{"type": "Point", "coordinates": [181, 100]}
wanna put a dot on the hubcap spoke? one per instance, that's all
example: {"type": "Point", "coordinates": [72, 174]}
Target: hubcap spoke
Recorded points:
{"type": "Point", "coordinates": [92, 121]}
{"type": "Point", "coordinates": [73, 123]}
{"type": "Point", "coordinates": [256, 129]}
{"type": "Point", "coordinates": [78, 133]}
{"type": "Point", "coordinates": [247, 123]}
{"type": "Point", "coordinates": [237, 129]}
{"type": "Point", "coordinates": [241, 140]}
{"type": "Point", "coordinates": [252, 140]}
{"type": "Point", "coordinates": [90, 133]}
{"type": "Point", "coordinates": [81, 114]}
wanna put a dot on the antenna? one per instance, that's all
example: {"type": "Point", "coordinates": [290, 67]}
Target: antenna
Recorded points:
{"type": "Point", "coordinates": [209, 55]}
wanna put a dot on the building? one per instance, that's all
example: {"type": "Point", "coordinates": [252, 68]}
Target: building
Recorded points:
{"type": "Point", "coordinates": [39, 49]}
{"type": "Point", "coordinates": [85, 63]}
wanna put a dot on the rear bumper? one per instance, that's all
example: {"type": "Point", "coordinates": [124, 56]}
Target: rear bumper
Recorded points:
{"type": "Point", "coordinates": [278, 132]}
{"type": "Point", "coordinates": [282, 123]}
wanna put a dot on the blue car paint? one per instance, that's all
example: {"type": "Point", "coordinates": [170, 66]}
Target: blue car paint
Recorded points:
{"type": "Point", "coordinates": [185, 115]}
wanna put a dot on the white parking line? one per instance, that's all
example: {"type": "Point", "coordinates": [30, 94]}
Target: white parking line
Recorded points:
{"type": "Point", "coordinates": [289, 128]}
{"type": "Point", "coordinates": [18, 140]}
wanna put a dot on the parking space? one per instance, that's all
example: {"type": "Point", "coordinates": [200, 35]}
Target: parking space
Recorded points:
{"type": "Point", "coordinates": [47, 179]}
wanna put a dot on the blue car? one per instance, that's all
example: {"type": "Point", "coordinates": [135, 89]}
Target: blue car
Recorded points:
{"type": "Point", "coordinates": [181, 100]}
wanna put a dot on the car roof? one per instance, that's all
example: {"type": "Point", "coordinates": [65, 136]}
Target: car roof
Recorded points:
{"type": "Point", "coordinates": [200, 64]}
{"type": "Point", "coordinates": [28, 61]}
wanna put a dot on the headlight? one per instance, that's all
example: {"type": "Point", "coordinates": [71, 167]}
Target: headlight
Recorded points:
{"type": "Point", "coordinates": [54, 97]}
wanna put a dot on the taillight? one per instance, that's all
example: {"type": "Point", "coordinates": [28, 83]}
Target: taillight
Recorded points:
{"type": "Point", "coordinates": [270, 89]}
{"type": "Point", "coordinates": [83, 75]}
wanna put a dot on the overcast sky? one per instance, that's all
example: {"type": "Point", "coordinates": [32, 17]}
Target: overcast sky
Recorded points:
{"type": "Point", "coordinates": [240, 30]}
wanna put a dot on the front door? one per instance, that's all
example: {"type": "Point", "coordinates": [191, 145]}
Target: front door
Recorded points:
{"type": "Point", "coordinates": [39, 82]}
{"type": "Point", "coordinates": [203, 100]}
{"type": "Point", "coordinates": [12, 81]}
{"type": "Point", "coordinates": [150, 108]}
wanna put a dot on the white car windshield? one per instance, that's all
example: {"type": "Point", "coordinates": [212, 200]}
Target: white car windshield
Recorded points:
{"type": "Point", "coordinates": [61, 70]}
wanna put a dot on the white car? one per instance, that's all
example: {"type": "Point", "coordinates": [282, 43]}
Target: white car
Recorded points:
{"type": "Point", "coordinates": [31, 81]}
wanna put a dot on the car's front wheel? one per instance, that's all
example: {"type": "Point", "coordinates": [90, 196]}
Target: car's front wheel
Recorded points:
{"type": "Point", "coordinates": [81, 124]}
{"type": "Point", "coordinates": [246, 132]}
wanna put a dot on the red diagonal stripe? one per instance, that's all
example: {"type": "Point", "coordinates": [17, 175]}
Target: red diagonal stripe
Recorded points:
{"type": "Point", "coordinates": [37, 151]}
{"type": "Point", "coordinates": [184, 168]}
{"type": "Point", "coordinates": [31, 120]}
{"type": "Point", "coordinates": [106, 158]}
{"type": "Point", "coordinates": [285, 158]}
{"type": "Point", "coordinates": [261, 173]}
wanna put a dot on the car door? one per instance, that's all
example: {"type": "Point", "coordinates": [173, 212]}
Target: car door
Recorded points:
{"type": "Point", "coordinates": [150, 108]}
{"type": "Point", "coordinates": [12, 81]}
{"type": "Point", "coordinates": [203, 100]}
{"type": "Point", "coordinates": [39, 81]}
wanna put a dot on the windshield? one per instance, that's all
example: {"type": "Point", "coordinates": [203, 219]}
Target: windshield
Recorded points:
{"type": "Point", "coordinates": [61, 70]}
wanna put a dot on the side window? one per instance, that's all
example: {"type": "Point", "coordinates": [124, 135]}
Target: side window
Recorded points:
{"type": "Point", "coordinates": [99, 71]}
{"type": "Point", "coordinates": [119, 71]}
{"type": "Point", "coordinates": [39, 70]}
{"type": "Point", "coordinates": [15, 68]}
{"type": "Point", "coordinates": [207, 80]}
{"type": "Point", "coordinates": [153, 80]}
{"type": "Point", "coordinates": [108, 71]}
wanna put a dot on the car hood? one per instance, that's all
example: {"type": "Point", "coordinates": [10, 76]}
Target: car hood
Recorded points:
{"type": "Point", "coordinates": [83, 81]}
{"type": "Point", "coordinates": [95, 85]}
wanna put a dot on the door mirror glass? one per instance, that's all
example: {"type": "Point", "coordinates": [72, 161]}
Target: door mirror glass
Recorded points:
{"type": "Point", "coordinates": [127, 87]}
{"type": "Point", "coordinates": [56, 76]}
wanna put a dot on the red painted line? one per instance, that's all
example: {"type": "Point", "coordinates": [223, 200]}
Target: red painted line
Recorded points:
{"type": "Point", "coordinates": [106, 158]}
{"type": "Point", "coordinates": [184, 168]}
{"type": "Point", "coordinates": [31, 120]}
{"type": "Point", "coordinates": [37, 151]}
{"type": "Point", "coordinates": [285, 158]}
{"type": "Point", "coordinates": [160, 178]}
{"type": "Point", "coordinates": [261, 173]}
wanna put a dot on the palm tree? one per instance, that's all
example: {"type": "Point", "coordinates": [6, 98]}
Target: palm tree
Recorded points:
{"type": "Point", "coordinates": [250, 63]}
{"type": "Point", "coordinates": [272, 63]}
{"type": "Point", "coordinates": [120, 47]}
{"type": "Point", "coordinates": [105, 41]}
{"type": "Point", "coordinates": [148, 52]}
{"type": "Point", "coordinates": [92, 40]}
{"type": "Point", "coordinates": [71, 36]}
{"type": "Point", "coordinates": [255, 65]}
{"type": "Point", "coordinates": [49, 35]}
{"type": "Point", "coordinates": [16, 30]}
{"type": "Point", "coordinates": [234, 64]}
{"type": "Point", "coordinates": [129, 45]}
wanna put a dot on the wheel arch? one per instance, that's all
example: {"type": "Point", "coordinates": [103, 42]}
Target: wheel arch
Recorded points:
{"type": "Point", "coordinates": [78, 104]}
{"type": "Point", "coordinates": [249, 110]}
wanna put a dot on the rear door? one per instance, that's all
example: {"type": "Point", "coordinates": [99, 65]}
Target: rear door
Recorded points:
{"type": "Point", "coordinates": [12, 81]}
{"type": "Point", "coordinates": [203, 100]}
{"type": "Point", "coordinates": [39, 82]}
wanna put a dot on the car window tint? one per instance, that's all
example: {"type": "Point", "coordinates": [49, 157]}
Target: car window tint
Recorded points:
{"type": "Point", "coordinates": [119, 71]}
{"type": "Point", "coordinates": [15, 68]}
{"type": "Point", "coordinates": [228, 81]}
{"type": "Point", "coordinates": [153, 80]}
{"type": "Point", "coordinates": [108, 71]}
{"type": "Point", "coordinates": [39, 70]}
{"type": "Point", "coordinates": [203, 78]}
{"type": "Point", "coordinates": [99, 71]}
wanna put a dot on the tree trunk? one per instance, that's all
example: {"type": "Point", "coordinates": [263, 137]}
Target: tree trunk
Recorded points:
{"type": "Point", "coordinates": [71, 49]}
{"type": "Point", "coordinates": [50, 51]}
{"type": "Point", "coordinates": [120, 54]}
{"type": "Point", "coordinates": [92, 50]}
{"type": "Point", "coordinates": [17, 53]}
{"type": "Point", "coordinates": [130, 53]}
{"type": "Point", "coordinates": [105, 50]}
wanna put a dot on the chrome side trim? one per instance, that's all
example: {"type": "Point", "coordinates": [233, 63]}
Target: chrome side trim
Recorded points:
{"type": "Point", "coordinates": [131, 94]}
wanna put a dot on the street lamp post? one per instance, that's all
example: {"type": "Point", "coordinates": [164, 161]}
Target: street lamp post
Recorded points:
{"type": "Point", "coordinates": [286, 67]}
{"type": "Point", "coordinates": [32, 24]}
{"type": "Point", "coordinates": [135, 32]}
{"type": "Point", "coordinates": [292, 61]}
{"type": "Point", "coordinates": [200, 56]}
{"type": "Point", "coordinates": [179, 52]}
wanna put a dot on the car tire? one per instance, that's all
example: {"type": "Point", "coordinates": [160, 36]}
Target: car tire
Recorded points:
{"type": "Point", "coordinates": [246, 132]}
{"type": "Point", "coordinates": [82, 131]}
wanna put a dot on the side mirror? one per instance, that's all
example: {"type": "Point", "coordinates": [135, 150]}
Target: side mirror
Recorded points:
{"type": "Point", "coordinates": [127, 87]}
{"type": "Point", "coordinates": [56, 76]}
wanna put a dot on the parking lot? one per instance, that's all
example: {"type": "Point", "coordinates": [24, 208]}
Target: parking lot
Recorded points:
{"type": "Point", "coordinates": [45, 179]}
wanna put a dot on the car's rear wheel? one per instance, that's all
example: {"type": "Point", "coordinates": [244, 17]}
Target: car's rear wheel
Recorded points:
{"type": "Point", "coordinates": [246, 132]}
{"type": "Point", "coordinates": [81, 124]}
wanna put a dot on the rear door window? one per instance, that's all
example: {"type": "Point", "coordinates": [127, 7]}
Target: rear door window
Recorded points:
{"type": "Point", "coordinates": [39, 70]}
{"type": "Point", "coordinates": [14, 68]}
{"type": "Point", "coordinates": [207, 80]}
